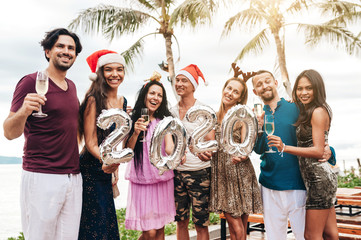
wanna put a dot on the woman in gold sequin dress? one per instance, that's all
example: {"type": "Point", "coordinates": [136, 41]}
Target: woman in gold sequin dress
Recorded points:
{"type": "Point", "coordinates": [234, 188]}
{"type": "Point", "coordinates": [312, 132]}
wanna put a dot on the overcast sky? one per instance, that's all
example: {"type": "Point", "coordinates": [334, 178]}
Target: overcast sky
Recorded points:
{"type": "Point", "coordinates": [24, 22]}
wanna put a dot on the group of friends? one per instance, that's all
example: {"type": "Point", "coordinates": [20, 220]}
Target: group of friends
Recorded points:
{"type": "Point", "coordinates": [67, 195]}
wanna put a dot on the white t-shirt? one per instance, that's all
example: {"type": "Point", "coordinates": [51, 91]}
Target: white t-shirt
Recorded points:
{"type": "Point", "coordinates": [192, 163]}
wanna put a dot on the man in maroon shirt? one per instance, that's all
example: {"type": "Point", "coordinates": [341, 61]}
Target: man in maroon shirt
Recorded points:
{"type": "Point", "coordinates": [51, 185]}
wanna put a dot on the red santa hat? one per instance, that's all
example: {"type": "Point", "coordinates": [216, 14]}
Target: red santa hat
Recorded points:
{"type": "Point", "coordinates": [192, 72]}
{"type": "Point", "coordinates": [101, 58]}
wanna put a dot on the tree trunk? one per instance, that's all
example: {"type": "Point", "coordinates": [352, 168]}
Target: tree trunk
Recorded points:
{"type": "Point", "coordinates": [170, 61]}
{"type": "Point", "coordinates": [282, 63]}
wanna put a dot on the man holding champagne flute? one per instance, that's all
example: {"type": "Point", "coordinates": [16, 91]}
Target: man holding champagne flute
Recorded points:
{"type": "Point", "coordinates": [282, 187]}
{"type": "Point", "coordinates": [51, 185]}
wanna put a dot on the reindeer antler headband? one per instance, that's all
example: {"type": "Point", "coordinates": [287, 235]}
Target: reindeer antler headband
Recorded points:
{"type": "Point", "coordinates": [238, 72]}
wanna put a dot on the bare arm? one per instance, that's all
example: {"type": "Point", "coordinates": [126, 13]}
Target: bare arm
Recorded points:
{"type": "Point", "coordinates": [169, 144]}
{"type": "Point", "coordinates": [91, 137]}
{"type": "Point", "coordinates": [320, 123]}
{"type": "Point", "coordinates": [14, 124]}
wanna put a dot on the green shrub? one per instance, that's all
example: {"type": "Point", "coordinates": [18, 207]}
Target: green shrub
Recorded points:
{"type": "Point", "coordinates": [349, 181]}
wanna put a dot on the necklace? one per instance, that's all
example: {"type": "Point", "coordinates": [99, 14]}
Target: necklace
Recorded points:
{"type": "Point", "coordinates": [110, 104]}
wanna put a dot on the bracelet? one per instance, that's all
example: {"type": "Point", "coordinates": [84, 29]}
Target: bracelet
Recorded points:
{"type": "Point", "coordinates": [281, 153]}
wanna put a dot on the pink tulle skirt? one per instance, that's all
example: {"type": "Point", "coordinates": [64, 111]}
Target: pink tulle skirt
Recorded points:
{"type": "Point", "coordinates": [150, 206]}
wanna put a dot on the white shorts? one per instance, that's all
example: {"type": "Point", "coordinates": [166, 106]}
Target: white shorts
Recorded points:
{"type": "Point", "coordinates": [278, 207]}
{"type": "Point", "coordinates": [50, 205]}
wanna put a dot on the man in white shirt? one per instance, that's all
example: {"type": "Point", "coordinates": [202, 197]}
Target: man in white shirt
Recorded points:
{"type": "Point", "coordinates": [192, 179]}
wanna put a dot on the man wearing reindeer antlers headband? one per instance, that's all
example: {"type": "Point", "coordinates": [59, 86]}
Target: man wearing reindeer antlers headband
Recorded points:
{"type": "Point", "coordinates": [282, 187]}
{"type": "Point", "coordinates": [191, 179]}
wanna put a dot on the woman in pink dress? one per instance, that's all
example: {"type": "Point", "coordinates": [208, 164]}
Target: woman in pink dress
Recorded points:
{"type": "Point", "coordinates": [151, 196]}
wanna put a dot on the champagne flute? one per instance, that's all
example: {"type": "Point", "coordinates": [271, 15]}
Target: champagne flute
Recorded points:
{"type": "Point", "coordinates": [41, 87]}
{"type": "Point", "coordinates": [144, 113]}
{"type": "Point", "coordinates": [258, 110]}
{"type": "Point", "coordinates": [269, 127]}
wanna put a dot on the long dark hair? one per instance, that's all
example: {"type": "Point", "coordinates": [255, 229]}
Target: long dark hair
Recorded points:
{"type": "Point", "coordinates": [319, 94]}
{"type": "Point", "coordinates": [160, 113]}
{"type": "Point", "coordinates": [99, 90]}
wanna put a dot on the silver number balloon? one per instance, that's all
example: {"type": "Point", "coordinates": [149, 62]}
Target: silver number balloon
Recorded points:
{"type": "Point", "coordinates": [208, 118]}
{"type": "Point", "coordinates": [243, 114]}
{"type": "Point", "coordinates": [123, 123]}
{"type": "Point", "coordinates": [172, 126]}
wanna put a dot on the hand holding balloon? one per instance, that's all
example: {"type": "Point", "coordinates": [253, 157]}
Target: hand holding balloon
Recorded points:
{"type": "Point", "coordinates": [110, 168]}
{"type": "Point", "coordinates": [236, 160]}
{"type": "Point", "coordinates": [205, 156]}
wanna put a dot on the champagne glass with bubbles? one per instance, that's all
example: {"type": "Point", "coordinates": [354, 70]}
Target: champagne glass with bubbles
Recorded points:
{"type": "Point", "coordinates": [269, 127]}
{"type": "Point", "coordinates": [41, 87]}
{"type": "Point", "coordinates": [258, 110]}
{"type": "Point", "coordinates": [144, 113]}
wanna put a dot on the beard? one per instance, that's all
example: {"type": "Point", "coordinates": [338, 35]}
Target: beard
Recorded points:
{"type": "Point", "coordinates": [268, 97]}
{"type": "Point", "coordinates": [62, 66]}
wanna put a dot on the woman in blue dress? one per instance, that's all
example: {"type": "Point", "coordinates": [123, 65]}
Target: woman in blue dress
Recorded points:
{"type": "Point", "coordinates": [98, 219]}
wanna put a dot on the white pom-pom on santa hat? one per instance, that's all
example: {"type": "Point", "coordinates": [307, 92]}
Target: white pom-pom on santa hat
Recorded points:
{"type": "Point", "coordinates": [192, 72]}
{"type": "Point", "coordinates": [101, 58]}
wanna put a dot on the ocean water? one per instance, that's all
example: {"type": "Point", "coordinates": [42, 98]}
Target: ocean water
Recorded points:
{"type": "Point", "coordinates": [10, 175]}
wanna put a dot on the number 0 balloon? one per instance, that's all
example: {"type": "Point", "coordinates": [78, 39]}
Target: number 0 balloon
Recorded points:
{"type": "Point", "coordinates": [172, 126]}
{"type": "Point", "coordinates": [239, 113]}
{"type": "Point", "coordinates": [123, 123]}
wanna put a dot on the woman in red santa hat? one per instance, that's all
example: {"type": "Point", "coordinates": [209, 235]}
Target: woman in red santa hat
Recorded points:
{"type": "Point", "coordinates": [98, 219]}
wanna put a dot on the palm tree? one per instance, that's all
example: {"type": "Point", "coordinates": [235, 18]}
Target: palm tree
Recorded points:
{"type": "Point", "coordinates": [114, 21]}
{"type": "Point", "coordinates": [273, 16]}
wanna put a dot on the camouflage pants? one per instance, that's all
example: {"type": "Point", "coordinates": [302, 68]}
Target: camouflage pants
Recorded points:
{"type": "Point", "coordinates": [192, 188]}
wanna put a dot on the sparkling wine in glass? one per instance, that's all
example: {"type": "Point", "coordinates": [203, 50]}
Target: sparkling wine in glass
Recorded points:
{"type": "Point", "coordinates": [269, 127]}
{"type": "Point", "coordinates": [144, 113]}
{"type": "Point", "coordinates": [41, 87]}
{"type": "Point", "coordinates": [258, 110]}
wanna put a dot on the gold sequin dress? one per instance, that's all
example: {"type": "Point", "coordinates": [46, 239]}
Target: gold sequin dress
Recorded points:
{"type": "Point", "coordinates": [234, 187]}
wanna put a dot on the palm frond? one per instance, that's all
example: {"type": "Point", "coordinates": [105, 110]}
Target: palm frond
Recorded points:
{"type": "Point", "coordinates": [193, 12]}
{"type": "Point", "coordinates": [337, 8]}
{"type": "Point", "coordinates": [344, 19]}
{"type": "Point", "coordinates": [147, 4]}
{"type": "Point", "coordinates": [135, 51]}
{"type": "Point", "coordinates": [338, 36]}
{"type": "Point", "coordinates": [249, 17]}
{"type": "Point", "coordinates": [110, 20]}
{"type": "Point", "coordinates": [256, 45]}
{"type": "Point", "coordinates": [297, 6]}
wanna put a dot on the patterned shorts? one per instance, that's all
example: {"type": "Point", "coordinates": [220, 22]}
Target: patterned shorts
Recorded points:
{"type": "Point", "coordinates": [192, 188]}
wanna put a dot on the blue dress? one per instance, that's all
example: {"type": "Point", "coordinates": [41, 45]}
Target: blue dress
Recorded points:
{"type": "Point", "coordinates": [98, 217]}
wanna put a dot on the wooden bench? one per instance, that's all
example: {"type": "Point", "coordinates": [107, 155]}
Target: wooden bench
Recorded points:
{"type": "Point", "coordinates": [342, 227]}
{"type": "Point", "coordinates": [258, 225]}
{"type": "Point", "coordinates": [351, 202]}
